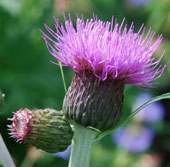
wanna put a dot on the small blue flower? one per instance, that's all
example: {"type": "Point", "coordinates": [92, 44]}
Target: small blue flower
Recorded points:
{"type": "Point", "coordinates": [65, 154]}
{"type": "Point", "coordinates": [140, 3]}
{"type": "Point", "coordinates": [133, 139]}
{"type": "Point", "coordinates": [153, 113]}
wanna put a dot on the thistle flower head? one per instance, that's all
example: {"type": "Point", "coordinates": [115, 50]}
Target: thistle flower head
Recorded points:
{"type": "Point", "coordinates": [21, 123]}
{"type": "Point", "coordinates": [104, 58]}
{"type": "Point", "coordinates": [47, 126]}
{"type": "Point", "coordinates": [106, 51]}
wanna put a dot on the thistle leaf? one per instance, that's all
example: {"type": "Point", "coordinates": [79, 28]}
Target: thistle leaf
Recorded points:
{"type": "Point", "coordinates": [126, 120]}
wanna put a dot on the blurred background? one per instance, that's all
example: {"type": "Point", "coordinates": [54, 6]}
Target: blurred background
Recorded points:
{"type": "Point", "coordinates": [28, 79]}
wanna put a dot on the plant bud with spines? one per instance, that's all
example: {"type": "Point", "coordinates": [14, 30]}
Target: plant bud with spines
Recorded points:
{"type": "Point", "coordinates": [45, 129]}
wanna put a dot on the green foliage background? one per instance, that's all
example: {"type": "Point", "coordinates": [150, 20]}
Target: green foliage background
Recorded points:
{"type": "Point", "coordinates": [28, 79]}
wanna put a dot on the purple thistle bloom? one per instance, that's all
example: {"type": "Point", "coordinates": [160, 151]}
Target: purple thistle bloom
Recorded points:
{"type": "Point", "coordinates": [133, 140]}
{"type": "Point", "coordinates": [153, 113]}
{"type": "Point", "coordinates": [21, 124]}
{"type": "Point", "coordinates": [104, 58]}
{"type": "Point", "coordinates": [106, 51]}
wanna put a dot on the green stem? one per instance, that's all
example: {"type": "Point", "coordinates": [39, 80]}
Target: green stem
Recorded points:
{"type": "Point", "coordinates": [4, 155]}
{"type": "Point", "coordinates": [82, 144]}
{"type": "Point", "coordinates": [63, 78]}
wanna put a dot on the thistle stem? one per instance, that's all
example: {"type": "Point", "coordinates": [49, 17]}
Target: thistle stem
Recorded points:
{"type": "Point", "coordinates": [4, 155]}
{"type": "Point", "coordinates": [63, 78]}
{"type": "Point", "coordinates": [82, 144]}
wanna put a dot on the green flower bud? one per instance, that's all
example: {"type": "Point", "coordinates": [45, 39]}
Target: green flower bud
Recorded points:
{"type": "Point", "coordinates": [45, 129]}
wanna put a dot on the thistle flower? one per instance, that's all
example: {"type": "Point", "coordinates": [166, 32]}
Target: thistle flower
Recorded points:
{"type": "Point", "coordinates": [45, 129]}
{"type": "Point", "coordinates": [104, 58]}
